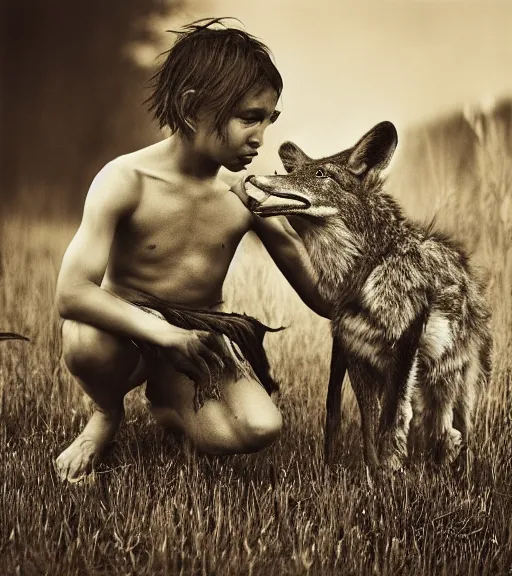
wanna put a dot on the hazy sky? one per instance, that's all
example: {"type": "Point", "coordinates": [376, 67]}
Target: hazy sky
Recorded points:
{"type": "Point", "coordinates": [348, 65]}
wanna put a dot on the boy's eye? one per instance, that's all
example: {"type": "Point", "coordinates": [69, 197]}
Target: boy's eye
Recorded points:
{"type": "Point", "coordinates": [249, 119]}
{"type": "Point", "coordinates": [259, 117]}
{"type": "Point", "coordinates": [321, 173]}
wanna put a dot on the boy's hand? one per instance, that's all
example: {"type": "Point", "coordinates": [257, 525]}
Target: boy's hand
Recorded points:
{"type": "Point", "coordinates": [236, 183]}
{"type": "Point", "coordinates": [195, 353]}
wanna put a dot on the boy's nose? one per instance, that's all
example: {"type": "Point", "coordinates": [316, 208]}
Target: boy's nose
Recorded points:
{"type": "Point", "coordinates": [256, 139]}
{"type": "Point", "coordinates": [255, 142]}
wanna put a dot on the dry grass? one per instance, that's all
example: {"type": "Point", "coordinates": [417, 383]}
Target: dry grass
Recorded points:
{"type": "Point", "coordinates": [154, 508]}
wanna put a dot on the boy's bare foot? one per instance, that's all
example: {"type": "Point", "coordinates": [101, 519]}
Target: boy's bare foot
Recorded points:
{"type": "Point", "coordinates": [77, 459]}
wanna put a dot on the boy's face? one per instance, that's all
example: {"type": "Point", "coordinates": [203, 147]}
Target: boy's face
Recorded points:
{"type": "Point", "coordinates": [243, 134]}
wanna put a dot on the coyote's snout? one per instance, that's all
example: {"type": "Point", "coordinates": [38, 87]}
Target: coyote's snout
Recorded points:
{"type": "Point", "coordinates": [410, 320]}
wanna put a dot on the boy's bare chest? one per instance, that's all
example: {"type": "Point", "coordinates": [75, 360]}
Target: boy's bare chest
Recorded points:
{"type": "Point", "coordinates": [164, 221]}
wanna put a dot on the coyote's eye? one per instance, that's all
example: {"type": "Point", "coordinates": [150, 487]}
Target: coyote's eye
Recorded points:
{"type": "Point", "coordinates": [320, 173]}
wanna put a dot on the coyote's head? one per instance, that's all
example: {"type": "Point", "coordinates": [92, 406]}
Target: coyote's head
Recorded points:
{"type": "Point", "coordinates": [325, 187]}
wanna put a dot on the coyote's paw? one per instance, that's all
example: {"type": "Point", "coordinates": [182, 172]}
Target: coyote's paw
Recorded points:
{"type": "Point", "coordinates": [392, 451]}
{"type": "Point", "coordinates": [451, 446]}
{"type": "Point", "coordinates": [446, 447]}
{"type": "Point", "coordinates": [391, 462]}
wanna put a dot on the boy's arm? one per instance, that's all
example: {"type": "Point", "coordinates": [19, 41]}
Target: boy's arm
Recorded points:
{"type": "Point", "coordinates": [287, 250]}
{"type": "Point", "coordinates": [114, 194]}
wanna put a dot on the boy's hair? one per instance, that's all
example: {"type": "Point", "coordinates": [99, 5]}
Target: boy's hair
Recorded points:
{"type": "Point", "coordinates": [220, 64]}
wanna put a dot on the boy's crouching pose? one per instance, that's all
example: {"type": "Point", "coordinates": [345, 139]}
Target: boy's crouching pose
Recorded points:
{"type": "Point", "coordinates": [160, 222]}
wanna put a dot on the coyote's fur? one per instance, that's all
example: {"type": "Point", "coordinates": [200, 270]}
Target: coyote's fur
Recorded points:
{"type": "Point", "coordinates": [410, 320]}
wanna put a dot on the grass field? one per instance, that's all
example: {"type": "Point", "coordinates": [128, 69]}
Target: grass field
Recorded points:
{"type": "Point", "coordinates": [153, 508]}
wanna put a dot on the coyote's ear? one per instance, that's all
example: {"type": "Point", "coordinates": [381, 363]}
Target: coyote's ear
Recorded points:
{"type": "Point", "coordinates": [292, 156]}
{"type": "Point", "coordinates": [374, 150]}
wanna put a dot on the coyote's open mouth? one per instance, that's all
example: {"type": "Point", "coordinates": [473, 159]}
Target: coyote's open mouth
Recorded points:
{"type": "Point", "coordinates": [264, 200]}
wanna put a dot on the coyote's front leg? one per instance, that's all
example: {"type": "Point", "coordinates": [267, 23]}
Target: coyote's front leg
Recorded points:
{"type": "Point", "coordinates": [366, 383]}
{"type": "Point", "coordinates": [333, 402]}
{"type": "Point", "coordinates": [396, 402]}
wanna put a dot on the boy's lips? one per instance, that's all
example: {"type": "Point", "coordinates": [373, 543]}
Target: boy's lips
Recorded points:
{"type": "Point", "coordinates": [249, 157]}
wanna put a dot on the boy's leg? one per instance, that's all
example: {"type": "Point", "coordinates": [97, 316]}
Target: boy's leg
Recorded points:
{"type": "Point", "coordinates": [106, 367]}
{"type": "Point", "coordinates": [244, 419]}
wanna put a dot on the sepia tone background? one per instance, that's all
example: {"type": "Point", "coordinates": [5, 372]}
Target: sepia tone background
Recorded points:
{"type": "Point", "coordinates": [74, 77]}
{"type": "Point", "coordinates": [73, 80]}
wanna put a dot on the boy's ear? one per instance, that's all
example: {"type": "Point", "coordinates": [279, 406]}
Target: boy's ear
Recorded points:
{"type": "Point", "coordinates": [292, 156]}
{"type": "Point", "coordinates": [374, 150]}
{"type": "Point", "coordinates": [185, 102]}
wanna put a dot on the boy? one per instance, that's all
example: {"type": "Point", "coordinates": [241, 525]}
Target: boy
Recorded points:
{"type": "Point", "coordinates": [160, 221]}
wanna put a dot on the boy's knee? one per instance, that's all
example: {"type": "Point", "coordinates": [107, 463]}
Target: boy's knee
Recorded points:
{"type": "Point", "coordinates": [86, 349]}
{"type": "Point", "coordinates": [260, 429]}
{"type": "Point", "coordinates": [237, 434]}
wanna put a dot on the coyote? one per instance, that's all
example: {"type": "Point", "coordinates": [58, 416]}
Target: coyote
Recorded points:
{"type": "Point", "coordinates": [410, 321]}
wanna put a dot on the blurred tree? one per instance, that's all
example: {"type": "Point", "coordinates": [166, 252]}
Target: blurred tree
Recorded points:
{"type": "Point", "coordinates": [71, 95]}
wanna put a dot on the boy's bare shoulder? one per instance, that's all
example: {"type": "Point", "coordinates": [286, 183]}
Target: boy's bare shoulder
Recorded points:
{"type": "Point", "coordinates": [115, 188]}
{"type": "Point", "coordinates": [151, 161]}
